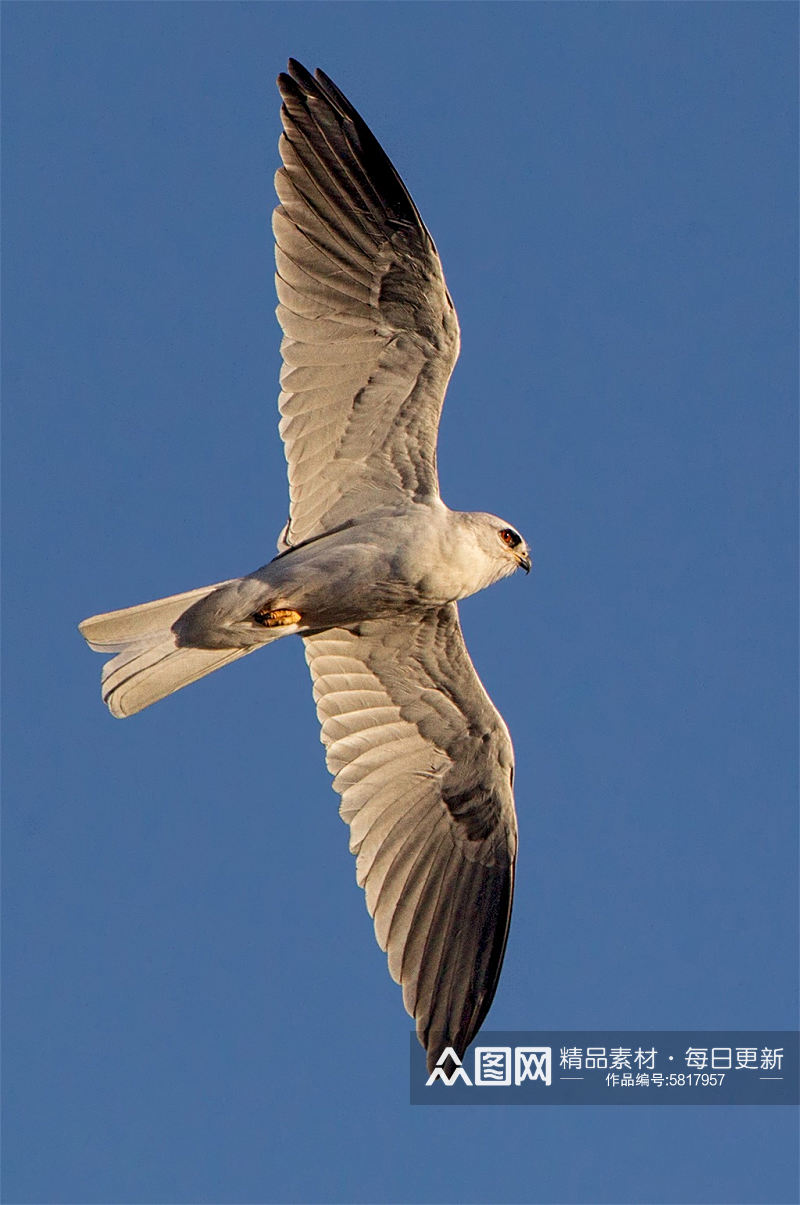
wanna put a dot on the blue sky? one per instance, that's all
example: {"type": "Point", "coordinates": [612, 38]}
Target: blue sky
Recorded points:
{"type": "Point", "coordinates": [195, 1008]}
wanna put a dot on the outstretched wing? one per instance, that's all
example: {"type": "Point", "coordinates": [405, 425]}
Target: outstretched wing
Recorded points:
{"type": "Point", "coordinates": [370, 332]}
{"type": "Point", "coordinates": [424, 765]}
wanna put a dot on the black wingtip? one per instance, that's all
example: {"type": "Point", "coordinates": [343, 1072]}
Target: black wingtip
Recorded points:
{"type": "Point", "coordinates": [295, 76]}
{"type": "Point", "coordinates": [299, 73]}
{"type": "Point", "coordinates": [318, 84]}
{"type": "Point", "coordinates": [334, 94]}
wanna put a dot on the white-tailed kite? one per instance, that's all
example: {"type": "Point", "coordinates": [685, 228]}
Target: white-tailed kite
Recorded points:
{"type": "Point", "coordinates": [371, 564]}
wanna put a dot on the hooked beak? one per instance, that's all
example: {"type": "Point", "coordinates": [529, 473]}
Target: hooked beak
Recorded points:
{"type": "Point", "coordinates": [524, 561]}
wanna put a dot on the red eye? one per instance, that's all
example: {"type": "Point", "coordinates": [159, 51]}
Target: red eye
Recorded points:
{"type": "Point", "coordinates": [510, 537]}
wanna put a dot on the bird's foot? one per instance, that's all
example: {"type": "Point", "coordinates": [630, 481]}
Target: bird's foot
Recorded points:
{"type": "Point", "coordinates": [282, 616]}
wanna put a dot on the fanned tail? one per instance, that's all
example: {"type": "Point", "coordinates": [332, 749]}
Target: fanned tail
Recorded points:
{"type": "Point", "coordinates": [149, 665]}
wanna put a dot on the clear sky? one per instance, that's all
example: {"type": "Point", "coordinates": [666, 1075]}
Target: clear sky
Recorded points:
{"type": "Point", "coordinates": [195, 1007]}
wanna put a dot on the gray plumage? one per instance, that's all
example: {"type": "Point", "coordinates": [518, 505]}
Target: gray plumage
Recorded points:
{"type": "Point", "coordinates": [370, 567]}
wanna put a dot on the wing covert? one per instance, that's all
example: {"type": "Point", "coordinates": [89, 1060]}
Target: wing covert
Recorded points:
{"type": "Point", "coordinates": [370, 332]}
{"type": "Point", "coordinates": [424, 765]}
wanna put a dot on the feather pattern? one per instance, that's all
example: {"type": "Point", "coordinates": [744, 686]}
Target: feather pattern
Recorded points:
{"type": "Point", "coordinates": [370, 335]}
{"type": "Point", "coordinates": [424, 771]}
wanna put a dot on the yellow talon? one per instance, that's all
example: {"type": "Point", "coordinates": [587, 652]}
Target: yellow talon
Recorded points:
{"type": "Point", "coordinates": [276, 619]}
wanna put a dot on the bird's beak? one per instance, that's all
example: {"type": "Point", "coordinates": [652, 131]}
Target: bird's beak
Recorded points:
{"type": "Point", "coordinates": [524, 561]}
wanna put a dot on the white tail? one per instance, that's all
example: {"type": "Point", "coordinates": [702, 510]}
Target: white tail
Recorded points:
{"type": "Point", "coordinates": [149, 665]}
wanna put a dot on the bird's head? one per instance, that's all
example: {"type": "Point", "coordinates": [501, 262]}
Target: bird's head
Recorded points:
{"type": "Point", "coordinates": [503, 547]}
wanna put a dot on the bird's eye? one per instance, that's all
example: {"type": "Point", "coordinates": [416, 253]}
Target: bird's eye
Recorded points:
{"type": "Point", "coordinates": [510, 537]}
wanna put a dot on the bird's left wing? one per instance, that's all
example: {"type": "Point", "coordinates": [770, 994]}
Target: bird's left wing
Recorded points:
{"type": "Point", "coordinates": [370, 333]}
{"type": "Point", "coordinates": [424, 765]}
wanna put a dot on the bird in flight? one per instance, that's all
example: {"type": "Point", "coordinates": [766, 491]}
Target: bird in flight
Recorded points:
{"type": "Point", "coordinates": [370, 566]}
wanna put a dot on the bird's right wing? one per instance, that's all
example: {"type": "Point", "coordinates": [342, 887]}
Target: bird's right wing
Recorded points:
{"type": "Point", "coordinates": [370, 332]}
{"type": "Point", "coordinates": [424, 765]}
